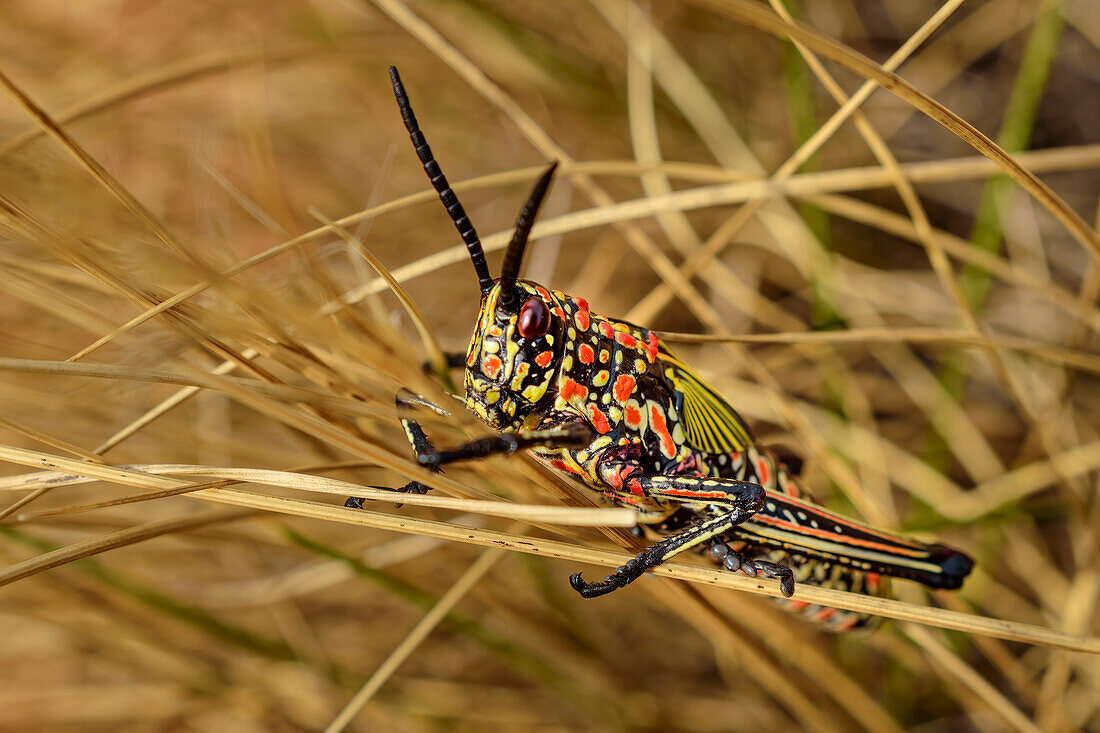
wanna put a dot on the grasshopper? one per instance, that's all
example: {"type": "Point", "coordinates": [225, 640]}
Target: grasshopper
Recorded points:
{"type": "Point", "coordinates": [605, 402]}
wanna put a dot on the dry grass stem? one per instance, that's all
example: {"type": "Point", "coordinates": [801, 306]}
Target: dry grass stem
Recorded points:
{"type": "Point", "coordinates": [408, 645]}
{"type": "Point", "coordinates": [937, 617]}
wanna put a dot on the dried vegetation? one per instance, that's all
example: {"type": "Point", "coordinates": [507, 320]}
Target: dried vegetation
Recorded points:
{"type": "Point", "coordinates": [197, 362]}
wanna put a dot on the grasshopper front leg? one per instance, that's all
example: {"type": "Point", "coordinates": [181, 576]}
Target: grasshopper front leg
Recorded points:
{"type": "Point", "coordinates": [427, 455]}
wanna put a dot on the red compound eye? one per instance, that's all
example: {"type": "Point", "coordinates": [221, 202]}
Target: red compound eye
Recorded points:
{"type": "Point", "coordinates": [534, 318]}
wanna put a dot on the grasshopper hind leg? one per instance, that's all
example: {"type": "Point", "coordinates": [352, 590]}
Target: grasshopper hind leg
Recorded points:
{"type": "Point", "coordinates": [736, 561]}
{"type": "Point", "coordinates": [737, 500]}
{"type": "Point", "coordinates": [808, 571]}
{"type": "Point", "coordinates": [650, 557]}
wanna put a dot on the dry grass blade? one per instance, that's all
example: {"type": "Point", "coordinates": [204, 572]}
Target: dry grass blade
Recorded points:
{"type": "Point", "coordinates": [100, 173]}
{"type": "Point", "coordinates": [971, 679]}
{"type": "Point", "coordinates": [94, 471]}
{"type": "Point", "coordinates": [408, 645]}
{"type": "Point", "coordinates": [49, 440]}
{"type": "Point", "coordinates": [214, 382]}
{"type": "Point", "coordinates": [944, 336]}
{"type": "Point", "coordinates": [601, 517]}
{"type": "Point", "coordinates": [166, 406]}
{"type": "Point", "coordinates": [935, 252]}
{"type": "Point", "coordinates": [436, 357]}
{"type": "Point", "coordinates": [23, 501]}
{"type": "Point", "coordinates": [752, 14]}
{"type": "Point", "coordinates": [937, 617]}
{"type": "Point", "coordinates": [690, 104]}
{"type": "Point", "coordinates": [158, 80]}
{"type": "Point", "coordinates": [889, 222]}
{"type": "Point", "coordinates": [141, 533]}
{"type": "Point", "coordinates": [804, 185]}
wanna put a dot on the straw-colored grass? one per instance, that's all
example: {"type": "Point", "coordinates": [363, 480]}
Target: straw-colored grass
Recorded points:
{"type": "Point", "coordinates": [871, 226]}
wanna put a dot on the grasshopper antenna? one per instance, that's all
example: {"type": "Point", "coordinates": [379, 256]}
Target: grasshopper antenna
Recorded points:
{"type": "Point", "coordinates": [443, 188]}
{"type": "Point", "coordinates": [513, 256]}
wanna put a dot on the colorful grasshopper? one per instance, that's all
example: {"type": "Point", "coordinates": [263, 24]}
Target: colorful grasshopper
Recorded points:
{"type": "Point", "coordinates": [607, 403]}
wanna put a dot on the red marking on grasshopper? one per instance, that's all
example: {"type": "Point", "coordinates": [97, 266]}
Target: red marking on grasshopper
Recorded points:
{"type": "Point", "coordinates": [651, 346]}
{"type": "Point", "coordinates": [847, 624]}
{"type": "Point", "coordinates": [607, 329]}
{"type": "Point", "coordinates": [563, 466]}
{"type": "Point", "coordinates": [657, 423]}
{"type": "Point", "coordinates": [841, 539]}
{"type": "Point", "coordinates": [586, 354]}
{"type": "Point", "coordinates": [544, 358]}
{"type": "Point", "coordinates": [491, 367]}
{"type": "Point", "coordinates": [583, 319]}
{"type": "Point", "coordinates": [786, 485]}
{"type": "Point", "coordinates": [633, 416]}
{"type": "Point", "coordinates": [599, 420]}
{"type": "Point", "coordinates": [624, 386]}
{"type": "Point", "coordinates": [696, 494]}
{"type": "Point", "coordinates": [616, 477]}
{"type": "Point", "coordinates": [762, 471]}
{"type": "Point", "coordinates": [626, 339]}
{"type": "Point", "coordinates": [570, 388]}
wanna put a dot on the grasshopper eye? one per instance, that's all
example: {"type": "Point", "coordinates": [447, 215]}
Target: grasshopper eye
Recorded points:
{"type": "Point", "coordinates": [534, 318]}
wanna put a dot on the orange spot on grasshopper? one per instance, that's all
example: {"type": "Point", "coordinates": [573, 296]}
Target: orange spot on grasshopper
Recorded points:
{"type": "Point", "coordinates": [491, 366]}
{"type": "Point", "coordinates": [598, 419]}
{"type": "Point", "coordinates": [626, 339]}
{"type": "Point", "coordinates": [583, 319]}
{"type": "Point", "coordinates": [563, 466]}
{"type": "Point", "coordinates": [624, 386]}
{"type": "Point", "coordinates": [570, 389]}
{"type": "Point", "coordinates": [657, 424]}
{"type": "Point", "coordinates": [762, 471]}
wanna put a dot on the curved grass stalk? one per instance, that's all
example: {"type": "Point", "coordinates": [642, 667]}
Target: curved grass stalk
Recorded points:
{"type": "Point", "coordinates": [900, 610]}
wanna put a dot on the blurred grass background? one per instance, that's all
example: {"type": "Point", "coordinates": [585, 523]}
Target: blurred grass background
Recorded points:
{"type": "Point", "coordinates": [211, 131]}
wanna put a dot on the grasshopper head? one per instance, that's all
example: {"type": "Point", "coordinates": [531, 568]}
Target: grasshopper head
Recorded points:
{"type": "Point", "coordinates": [516, 346]}
{"type": "Point", "coordinates": [514, 355]}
